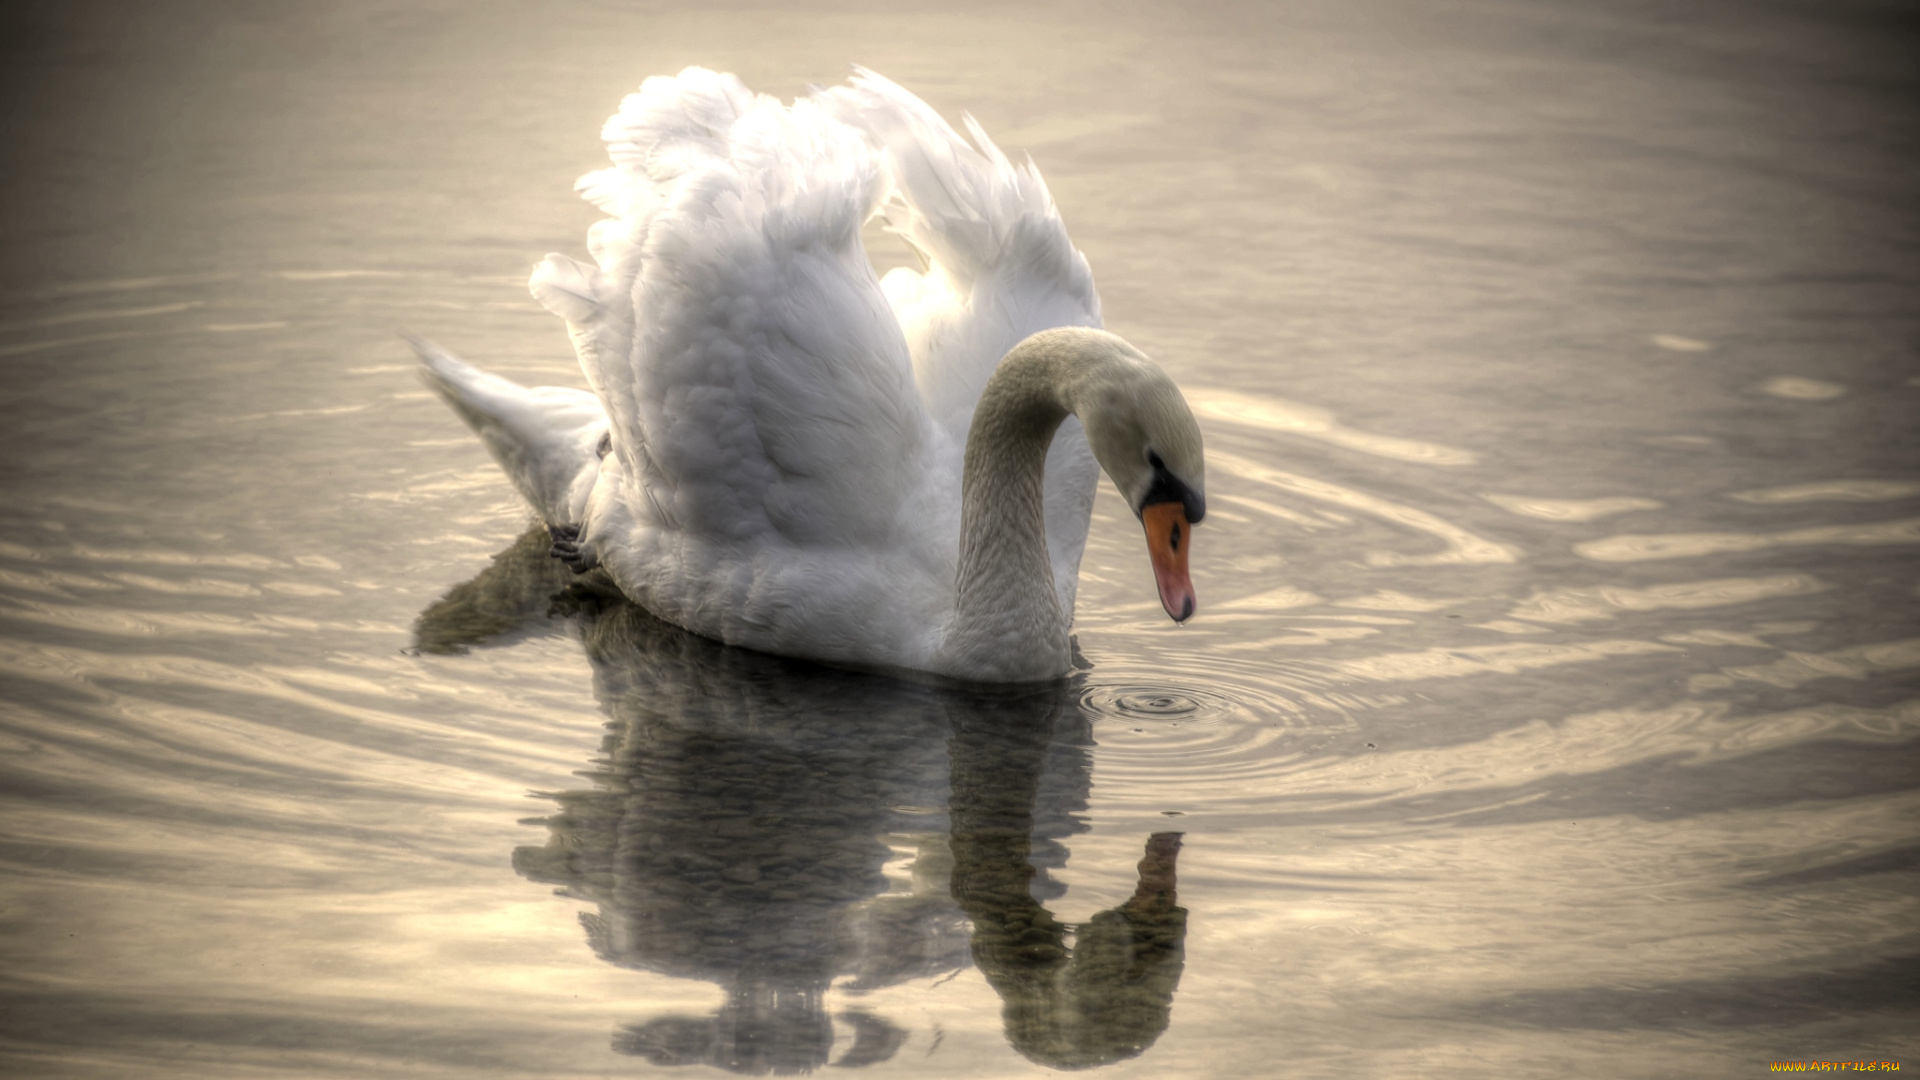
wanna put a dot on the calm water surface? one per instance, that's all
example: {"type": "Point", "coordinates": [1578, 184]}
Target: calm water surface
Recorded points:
{"type": "Point", "coordinates": [1552, 707]}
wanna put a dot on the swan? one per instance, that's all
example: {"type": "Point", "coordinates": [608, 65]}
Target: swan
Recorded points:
{"type": "Point", "coordinates": [784, 452]}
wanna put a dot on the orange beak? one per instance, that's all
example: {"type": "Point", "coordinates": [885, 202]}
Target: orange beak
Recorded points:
{"type": "Point", "coordinates": [1168, 535]}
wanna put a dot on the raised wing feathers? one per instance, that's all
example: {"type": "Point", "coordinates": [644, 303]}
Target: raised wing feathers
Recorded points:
{"type": "Point", "coordinates": [1001, 266]}
{"type": "Point", "coordinates": [758, 381]}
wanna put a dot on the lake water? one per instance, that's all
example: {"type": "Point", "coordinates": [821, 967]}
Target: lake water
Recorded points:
{"type": "Point", "coordinates": [1551, 709]}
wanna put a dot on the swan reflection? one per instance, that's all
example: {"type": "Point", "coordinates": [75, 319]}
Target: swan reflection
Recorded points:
{"type": "Point", "coordinates": [778, 828]}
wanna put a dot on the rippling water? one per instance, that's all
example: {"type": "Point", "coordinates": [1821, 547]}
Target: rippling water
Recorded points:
{"type": "Point", "coordinates": [1551, 709]}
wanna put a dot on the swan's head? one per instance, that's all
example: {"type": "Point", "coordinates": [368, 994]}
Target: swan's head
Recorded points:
{"type": "Point", "coordinates": [1143, 434]}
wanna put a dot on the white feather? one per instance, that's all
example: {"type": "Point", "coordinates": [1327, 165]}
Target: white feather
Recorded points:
{"type": "Point", "coordinates": [546, 439]}
{"type": "Point", "coordinates": [787, 431]}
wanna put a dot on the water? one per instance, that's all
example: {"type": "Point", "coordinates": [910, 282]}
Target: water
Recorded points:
{"type": "Point", "coordinates": [1551, 709]}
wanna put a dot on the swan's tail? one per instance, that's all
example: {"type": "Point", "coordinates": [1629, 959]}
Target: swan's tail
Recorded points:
{"type": "Point", "coordinates": [548, 439]}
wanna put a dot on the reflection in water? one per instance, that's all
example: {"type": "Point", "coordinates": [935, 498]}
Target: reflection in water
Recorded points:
{"type": "Point", "coordinates": [745, 812]}
{"type": "Point", "coordinates": [1107, 997]}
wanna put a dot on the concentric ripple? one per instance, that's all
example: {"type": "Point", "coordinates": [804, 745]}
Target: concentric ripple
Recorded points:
{"type": "Point", "coordinates": [1170, 745]}
{"type": "Point", "coordinates": [1159, 703]}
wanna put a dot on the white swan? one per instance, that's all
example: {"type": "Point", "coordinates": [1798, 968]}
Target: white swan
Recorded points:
{"type": "Point", "coordinates": [784, 453]}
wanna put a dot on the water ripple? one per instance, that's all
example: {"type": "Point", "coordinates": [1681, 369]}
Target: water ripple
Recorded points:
{"type": "Point", "coordinates": [1462, 547]}
{"type": "Point", "coordinates": [1148, 702]}
{"type": "Point", "coordinates": [1630, 547]}
{"type": "Point", "coordinates": [1570, 509]}
{"type": "Point", "coordinates": [1831, 491]}
{"type": "Point", "coordinates": [1168, 741]}
{"type": "Point", "coordinates": [1606, 601]}
{"type": "Point", "coordinates": [1293, 418]}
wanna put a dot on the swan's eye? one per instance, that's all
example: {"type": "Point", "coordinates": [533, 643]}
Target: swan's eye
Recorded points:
{"type": "Point", "coordinates": [1176, 537]}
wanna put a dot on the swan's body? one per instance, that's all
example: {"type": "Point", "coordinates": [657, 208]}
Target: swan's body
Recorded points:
{"type": "Point", "coordinates": [778, 446]}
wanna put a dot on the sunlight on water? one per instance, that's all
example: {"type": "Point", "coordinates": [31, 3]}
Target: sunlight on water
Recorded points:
{"type": "Point", "coordinates": [1799, 389]}
{"type": "Point", "coordinates": [1571, 509]}
{"type": "Point", "coordinates": [1832, 491]}
{"type": "Point", "coordinates": [1292, 418]}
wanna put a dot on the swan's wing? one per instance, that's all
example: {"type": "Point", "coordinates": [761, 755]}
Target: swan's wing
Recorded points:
{"type": "Point", "coordinates": [1000, 264]}
{"type": "Point", "coordinates": [1000, 267]}
{"type": "Point", "coordinates": [757, 380]}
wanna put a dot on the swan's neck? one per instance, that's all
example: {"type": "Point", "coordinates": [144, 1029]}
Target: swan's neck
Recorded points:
{"type": "Point", "coordinates": [1007, 624]}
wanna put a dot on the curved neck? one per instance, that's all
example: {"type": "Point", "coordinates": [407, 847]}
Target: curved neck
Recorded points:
{"type": "Point", "coordinates": [1007, 623]}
